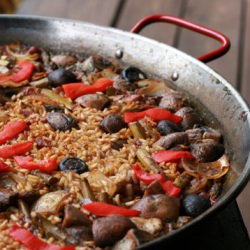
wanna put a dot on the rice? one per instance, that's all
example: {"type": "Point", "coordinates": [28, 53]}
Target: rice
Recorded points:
{"type": "Point", "coordinates": [110, 169]}
{"type": "Point", "coordinates": [88, 143]}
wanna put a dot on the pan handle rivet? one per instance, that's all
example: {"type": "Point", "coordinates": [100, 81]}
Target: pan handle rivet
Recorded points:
{"type": "Point", "coordinates": [119, 54]}
{"type": "Point", "coordinates": [175, 76]}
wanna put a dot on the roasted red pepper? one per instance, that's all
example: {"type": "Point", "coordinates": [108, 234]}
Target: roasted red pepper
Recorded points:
{"type": "Point", "coordinates": [25, 70]}
{"type": "Point", "coordinates": [73, 90]}
{"type": "Point", "coordinates": [145, 177]}
{"type": "Point", "coordinates": [105, 209]}
{"type": "Point", "coordinates": [171, 155]}
{"type": "Point", "coordinates": [27, 162]}
{"type": "Point", "coordinates": [156, 114]}
{"type": "Point", "coordinates": [4, 167]}
{"type": "Point", "coordinates": [11, 130]}
{"type": "Point", "coordinates": [15, 149]}
{"type": "Point", "coordinates": [32, 242]}
{"type": "Point", "coordinates": [170, 188]}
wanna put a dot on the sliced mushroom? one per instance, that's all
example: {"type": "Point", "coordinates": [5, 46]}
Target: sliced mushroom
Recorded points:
{"type": "Point", "coordinates": [172, 101]}
{"type": "Point", "coordinates": [47, 178]}
{"type": "Point", "coordinates": [96, 101]}
{"type": "Point", "coordinates": [172, 140]}
{"type": "Point", "coordinates": [207, 150]}
{"type": "Point", "coordinates": [197, 134]}
{"type": "Point", "coordinates": [63, 60]}
{"type": "Point", "coordinates": [153, 188]}
{"type": "Point", "coordinates": [51, 203]}
{"type": "Point", "coordinates": [113, 123]}
{"type": "Point", "coordinates": [151, 225]}
{"type": "Point", "coordinates": [61, 121]}
{"type": "Point", "coordinates": [124, 85]}
{"type": "Point", "coordinates": [108, 230]}
{"type": "Point", "coordinates": [94, 62]}
{"type": "Point", "coordinates": [189, 117]}
{"type": "Point", "coordinates": [133, 239]}
{"type": "Point", "coordinates": [158, 206]}
{"type": "Point", "coordinates": [7, 198]}
{"type": "Point", "coordinates": [74, 217]}
{"type": "Point", "coordinates": [79, 233]}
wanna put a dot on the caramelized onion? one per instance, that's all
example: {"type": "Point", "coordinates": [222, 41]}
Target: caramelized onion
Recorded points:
{"type": "Point", "coordinates": [210, 170]}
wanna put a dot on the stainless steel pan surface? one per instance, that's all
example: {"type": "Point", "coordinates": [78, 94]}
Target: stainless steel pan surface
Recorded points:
{"type": "Point", "coordinates": [208, 90]}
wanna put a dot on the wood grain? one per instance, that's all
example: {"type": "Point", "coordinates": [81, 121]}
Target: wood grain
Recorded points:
{"type": "Point", "coordinates": [219, 15]}
{"type": "Point", "coordinates": [246, 58]}
{"type": "Point", "coordinates": [244, 198]}
{"type": "Point", "coordinates": [95, 11]}
{"type": "Point", "coordinates": [133, 11]}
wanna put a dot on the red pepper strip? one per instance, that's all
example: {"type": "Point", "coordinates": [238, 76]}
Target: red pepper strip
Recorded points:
{"type": "Point", "coordinates": [73, 90]}
{"type": "Point", "coordinates": [27, 162]}
{"type": "Point", "coordinates": [30, 241]}
{"type": "Point", "coordinates": [145, 177]}
{"type": "Point", "coordinates": [4, 167]}
{"type": "Point", "coordinates": [171, 155]}
{"type": "Point", "coordinates": [15, 149]}
{"type": "Point", "coordinates": [25, 70]}
{"type": "Point", "coordinates": [156, 114]}
{"type": "Point", "coordinates": [104, 209]}
{"type": "Point", "coordinates": [11, 130]}
{"type": "Point", "coordinates": [170, 188]}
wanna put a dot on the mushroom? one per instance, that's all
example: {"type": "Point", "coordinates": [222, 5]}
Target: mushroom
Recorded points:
{"type": "Point", "coordinates": [74, 217]}
{"type": "Point", "coordinates": [133, 239]}
{"type": "Point", "coordinates": [108, 230]}
{"type": "Point", "coordinates": [158, 206]}
{"type": "Point", "coordinates": [113, 123]}
{"type": "Point", "coordinates": [151, 225]}
{"type": "Point", "coordinates": [79, 233]}
{"type": "Point", "coordinates": [96, 101]}
{"type": "Point", "coordinates": [7, 198]}
{"type": "Point", "coordinates": [173, 101]}
{"type": "Point", "coordinates": [207, 150]}
{"type": "Point", "coordinates": [63, 60]}
{"type": "Point", "coordinates": [61, 121]}
{"type": "Point", "coordinates": [51, 203]}
{"type": "Point", "coordinates": [197, 134]}
{"type": "Point", "coordinates": [189, 117]}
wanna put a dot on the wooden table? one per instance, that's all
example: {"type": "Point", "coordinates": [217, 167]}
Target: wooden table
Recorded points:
{"type": "Point", "coordinates": [231, 17]}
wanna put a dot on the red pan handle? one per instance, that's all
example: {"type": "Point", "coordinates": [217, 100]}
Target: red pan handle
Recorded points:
{"type": "Point", "coordinates": [225, 43]}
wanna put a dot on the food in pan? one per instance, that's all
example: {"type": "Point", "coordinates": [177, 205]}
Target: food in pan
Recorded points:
{"type": "Point", "coordinates": [95, 154]}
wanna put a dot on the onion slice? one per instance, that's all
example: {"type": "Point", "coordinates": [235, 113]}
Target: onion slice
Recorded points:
{"type": "Point", "coordinates": [210, 170]}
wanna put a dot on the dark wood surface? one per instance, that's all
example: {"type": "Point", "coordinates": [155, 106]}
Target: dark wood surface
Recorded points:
{"type": "Point", "coordinates": [231, 17]}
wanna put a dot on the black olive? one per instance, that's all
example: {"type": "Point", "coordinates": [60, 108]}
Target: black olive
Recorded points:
{"type": "Point", "coordinates": [112, 123]}
{"type": "Point", "coordinates": [165, 127]}
{"type": "Point", "coordinates": [61, 76]}
{"type": "Point", "coordinates": [61, 121]}
{"type": "Point", "coordinates": [73, 164]}
{"type": "Point", "coordinates": [194, 204]}
{"type": "Point", "coordinates": [133, 74]}
{"type": "Point", "coordinates": [50, 108]}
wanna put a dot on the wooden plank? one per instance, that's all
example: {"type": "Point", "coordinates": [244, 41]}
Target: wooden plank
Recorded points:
{"type": "Point", "coordinates": [221, 16]}
{"type": "Point", "coordinates": [133, 11]}
{"type": "Point", "coordinates": [245, 90]}
{"type": "Point", "coordinates": [243, 200]}
{"type": "Point", "coordinates": [95, 11]}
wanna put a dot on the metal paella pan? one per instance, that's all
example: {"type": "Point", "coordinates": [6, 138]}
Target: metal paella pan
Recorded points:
{"type": "Point", "coordinates": [212, 95]}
